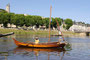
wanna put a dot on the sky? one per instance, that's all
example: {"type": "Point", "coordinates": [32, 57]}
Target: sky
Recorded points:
{"type": "Point", "coordinates": [77, 10]}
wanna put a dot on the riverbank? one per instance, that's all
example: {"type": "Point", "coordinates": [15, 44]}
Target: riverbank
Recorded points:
{"type": "Point", "coordinates": [37, 32]}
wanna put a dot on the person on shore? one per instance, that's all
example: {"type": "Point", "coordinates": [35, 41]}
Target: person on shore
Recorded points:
{"type": "Point", "coordinates": [36, 40]}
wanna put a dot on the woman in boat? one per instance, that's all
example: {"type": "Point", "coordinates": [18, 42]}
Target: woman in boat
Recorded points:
{"type": "Point", "coordinates": [36, 40]}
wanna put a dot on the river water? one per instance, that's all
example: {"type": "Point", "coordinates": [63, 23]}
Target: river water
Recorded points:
{"type": "Point", "coordinates": [77, 49]}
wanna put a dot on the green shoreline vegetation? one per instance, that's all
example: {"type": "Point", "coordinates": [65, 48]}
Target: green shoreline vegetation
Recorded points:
{"type": "Point", "coordinates": [38, 32]}
{"type": "Point", "coordinates": [20, 20]}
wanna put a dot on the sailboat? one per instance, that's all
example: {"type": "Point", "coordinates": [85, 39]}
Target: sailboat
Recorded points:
{"type": "Point", "coordinates": [41, 45]}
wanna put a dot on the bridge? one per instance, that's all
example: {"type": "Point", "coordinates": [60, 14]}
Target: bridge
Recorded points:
{"type": "Point", "coordinates": [86, 31]}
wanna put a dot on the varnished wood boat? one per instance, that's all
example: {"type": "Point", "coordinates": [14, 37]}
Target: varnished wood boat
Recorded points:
{"type": "Point", "coordinates": [56, 35]}
{"type": "Point", "coordinates": [7, 34]}
{"type": "Point", "coordinates": [39, 45]}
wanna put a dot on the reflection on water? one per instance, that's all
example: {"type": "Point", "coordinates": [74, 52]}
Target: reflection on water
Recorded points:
{"type": "Point", "coordinates": [4, 55]}
{"type": "Point", "coordinates": [32, 52]}
{"type": "Point", "coordinates": [77, 49]}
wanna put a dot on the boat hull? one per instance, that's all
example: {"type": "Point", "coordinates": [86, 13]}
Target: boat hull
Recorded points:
{"type": "Point", "coordinates": [40, 45]}
{"type": "Point", "coordinates": [56, 35]}
{"type": "Point", "coordinates": [2, 35]}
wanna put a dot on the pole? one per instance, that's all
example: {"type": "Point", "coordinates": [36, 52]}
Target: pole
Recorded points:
{"type": "Point", "coordinates": [59, 29]}
{"type": "Point", "coordinates": [50, 23]}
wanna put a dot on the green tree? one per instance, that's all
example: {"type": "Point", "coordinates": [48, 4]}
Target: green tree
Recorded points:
{"type": "Point", "coordinates": [37, 20]}
{"type": "Point", "coordinates": [4, 17]}
{"type": "Point", "coordinates": [55, 23]}
{"type": "Point", "coordinates": [3, 11]}
{"type": "Point", "coordinates": [1, 17]}
{"type": "Point", "coordinates": [29, 20]}
{"type": "Point", "coordinates": [46, 22]}
{"type": "Point", "coordinates": [18, 19]}
{"type": "Point", "coordinates": [12, 18]}
{"type": "Point", "coordinates": [68, 23]}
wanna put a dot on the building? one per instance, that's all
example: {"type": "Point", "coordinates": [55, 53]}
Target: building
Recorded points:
{"type": "Point", "coordinates": [1, 25]}
{"type": "Point", "coordinates": [8, 8]}
{"type": "Point", "coordinates": [11, 25]}
{"type": "Point", "coordinates": [25, 14]}
{"type": "Point", "coordinates": [77, 28]}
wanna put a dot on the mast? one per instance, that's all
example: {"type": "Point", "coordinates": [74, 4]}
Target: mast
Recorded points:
{"type": "Point", "coordinates": [59, 29]}
{"type": "Point", "coordinates": [50, 23]}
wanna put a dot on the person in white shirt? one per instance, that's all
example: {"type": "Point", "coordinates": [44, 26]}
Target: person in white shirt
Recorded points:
{"type": "Point", "coordinates": [36, 40]}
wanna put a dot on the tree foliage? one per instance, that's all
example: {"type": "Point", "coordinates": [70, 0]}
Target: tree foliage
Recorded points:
{"type": "Point", "coordinates": [30, 20]}
{"type": "Point", "coordinates": [3, 11]}
{"type": "Point", "coordinates": [68, 23]}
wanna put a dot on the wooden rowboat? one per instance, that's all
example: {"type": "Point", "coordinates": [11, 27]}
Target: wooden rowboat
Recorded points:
{"type": "Point", "coordinates": [39, 45]}
{"type": "Point", "coordinates": [42, 45]}
{"type": "Point", "coordinates": [7, 34]}
{"type": "Point", "coordinates": [56, 35]}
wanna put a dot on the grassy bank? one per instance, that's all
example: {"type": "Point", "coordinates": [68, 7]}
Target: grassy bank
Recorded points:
{"type": "Point", "coordinates": [32, 32]}
{"type": "Point", "coordinates": [26, 32]}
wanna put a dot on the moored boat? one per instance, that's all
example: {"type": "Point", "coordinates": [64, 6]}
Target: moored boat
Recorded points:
{"type": "Point", "coordinates": [7, 34]}
{"type": "Point", "coordinates": [39, 45]}
{"type": "Point", "coordinates": [42, 45]}
{"type": "Point", "coordinates": [56, 35]}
